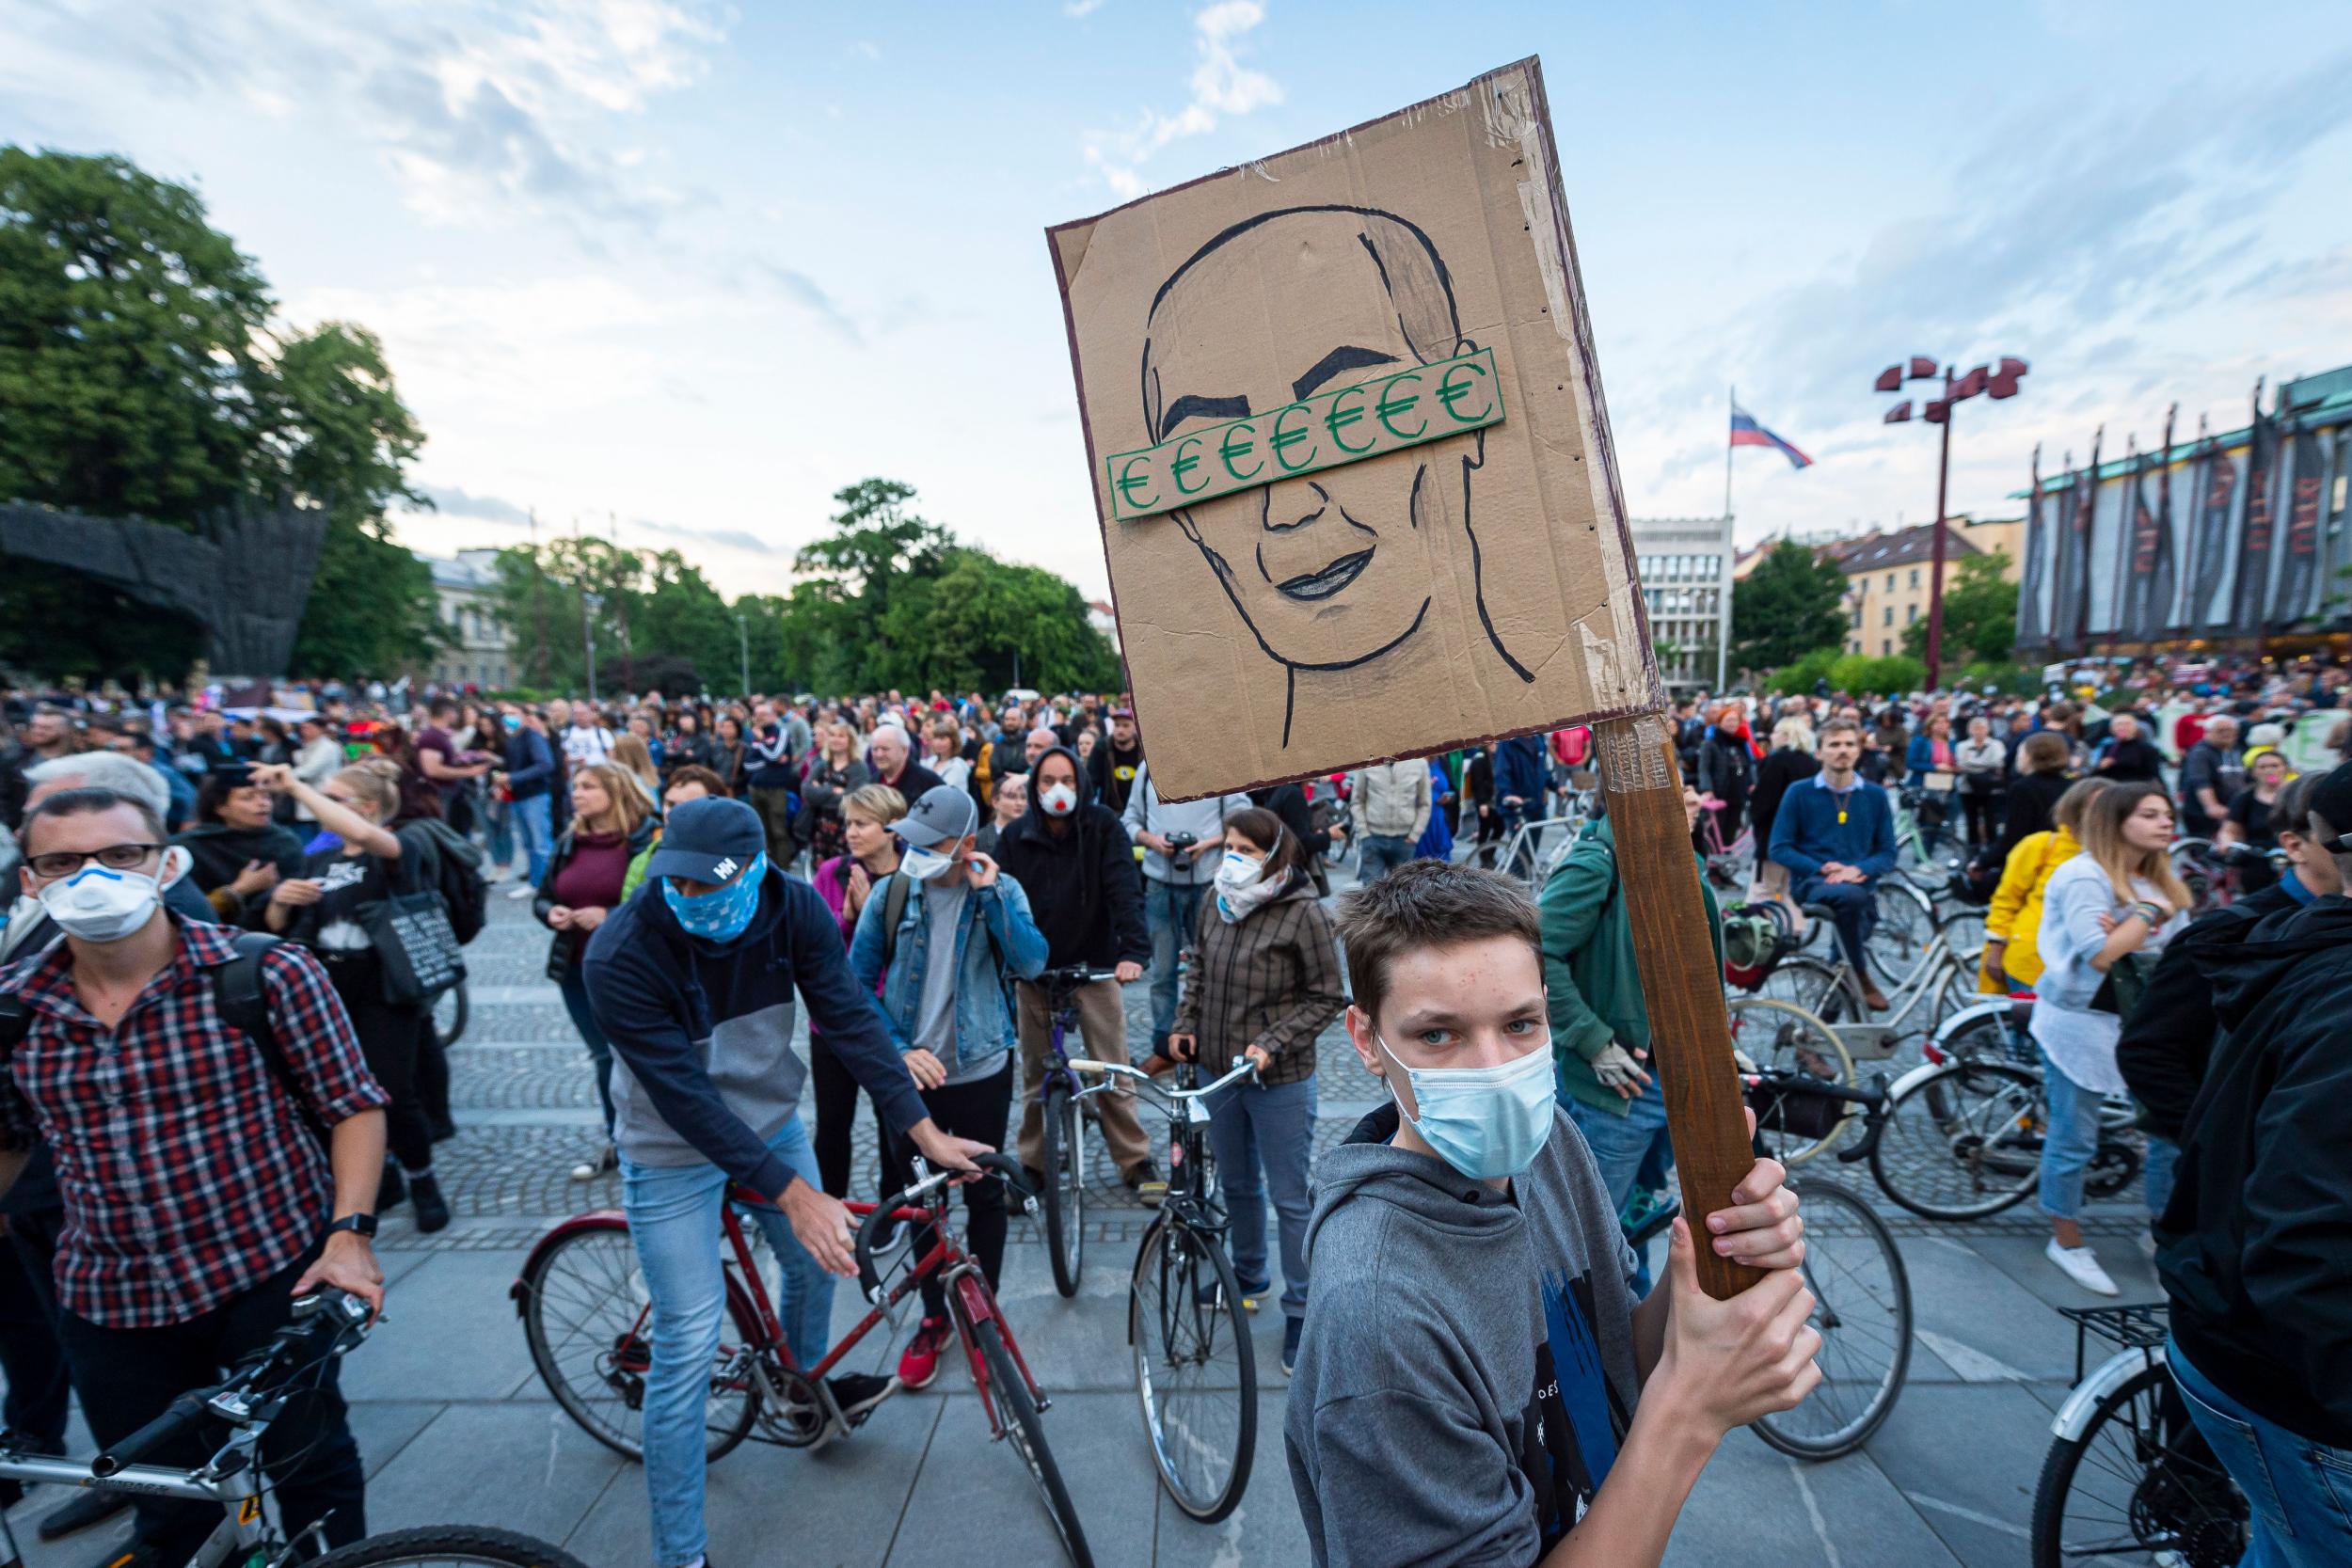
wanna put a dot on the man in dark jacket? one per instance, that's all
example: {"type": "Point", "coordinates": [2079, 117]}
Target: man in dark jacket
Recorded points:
{"type": "Point", "coordinates": [693, 982]}
{"type": "Point", "coordinates": [1077, 865]}
{"type": "Point", "coordinates": [2127, 757]}
{"type": "Point", "coordinates": [2253, 1247]}
{"type": "Point", "coordinates": [1519, 774]}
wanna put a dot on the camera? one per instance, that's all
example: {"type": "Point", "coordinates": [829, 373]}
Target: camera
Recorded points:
{"type": "Point", "coordinates": [1180, 849]}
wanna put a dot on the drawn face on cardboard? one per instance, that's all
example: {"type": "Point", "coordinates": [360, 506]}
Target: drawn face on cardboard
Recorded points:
{"type": "Point", "coordinates": [1332, 568]}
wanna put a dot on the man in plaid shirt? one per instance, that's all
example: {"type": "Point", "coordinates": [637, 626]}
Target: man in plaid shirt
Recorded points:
{"type": "Point", "coordinates": [198, 1204]}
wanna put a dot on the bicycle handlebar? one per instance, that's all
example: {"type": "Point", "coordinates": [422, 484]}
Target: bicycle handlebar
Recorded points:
{"type": "Point", "coordinates": [1001, 1165]}
{"type": "Point", "coordinates": [178, 1418]}
{"type": "Point", "coordinates": [1243, 1067]}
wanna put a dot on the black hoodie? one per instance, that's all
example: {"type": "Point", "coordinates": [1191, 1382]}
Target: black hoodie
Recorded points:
{"type": "Point", "coordinates": [2255, 1248]}
{"type": "Point", "coordinates": [1082, 886]}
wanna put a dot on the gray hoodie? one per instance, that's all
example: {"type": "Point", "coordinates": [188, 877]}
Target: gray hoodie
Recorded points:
{"type": "Point", "coordinates": [1466, 1373]}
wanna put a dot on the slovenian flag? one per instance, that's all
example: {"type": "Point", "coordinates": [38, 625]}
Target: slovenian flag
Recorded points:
{"type": "Point", "coordinates": [1745, 432]}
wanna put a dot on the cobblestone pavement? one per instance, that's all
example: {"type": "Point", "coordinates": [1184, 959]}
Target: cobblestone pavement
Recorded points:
{"type": "Point", "coordinates": [456, 1425]}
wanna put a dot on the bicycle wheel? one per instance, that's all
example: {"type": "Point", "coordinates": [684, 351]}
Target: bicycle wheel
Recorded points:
{"type": "Point", "coordinates": [1016, 1407]}
{"type": "Point", "coordinates": [1862, 1309]}
{"type": "Point", "coordinates": [454, 1544]}
{"type": "Point", "coordinates": [1065, 1194]}
{"type": "Point", "coordinates": [1962, 1143]}
{"type": "Point", "coordinates": [1906, 923]}
{"type": "Point", "coordinates": [1776, 1034]}
{"type": "Point", "coordinates": [1196, 1370]}
{"type": "Point", "coordinates": [586, 1315]}
{"type": "Point", "coordinates": [2140, 1485]}
{"type": "Point", "coordinates": [1812, 983]}
{"type": "Point", "coordinates": [451, 1011]}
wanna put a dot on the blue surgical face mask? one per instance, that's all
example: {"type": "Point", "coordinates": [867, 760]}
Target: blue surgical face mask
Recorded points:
{"type": "Point", "coordinates": [723, 915]}
{"type": "Point", "coordinates": [1486, 1122]}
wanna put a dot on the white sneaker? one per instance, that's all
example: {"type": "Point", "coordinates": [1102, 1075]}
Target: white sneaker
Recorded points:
{"type": "Point", "coordinates": [521, 890]}
{"type": "Point", "coordinates": [2081, 1265]}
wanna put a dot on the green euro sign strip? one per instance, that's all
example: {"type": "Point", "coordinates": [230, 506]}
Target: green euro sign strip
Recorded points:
{"type": "Point", "coordinates": [1388, 413]}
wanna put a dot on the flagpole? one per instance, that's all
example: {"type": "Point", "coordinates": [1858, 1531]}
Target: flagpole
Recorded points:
{"type": "Point", "coordinates": [1733, 414]}
{"type": "Point", "coordinates": [1723, 587]}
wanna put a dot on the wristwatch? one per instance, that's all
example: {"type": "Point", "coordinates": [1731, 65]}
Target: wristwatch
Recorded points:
{"type": "Point", "coordinates": [358, 1225]}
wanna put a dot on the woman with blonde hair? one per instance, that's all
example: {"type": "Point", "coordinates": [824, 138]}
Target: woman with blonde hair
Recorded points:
{"type": "Point", "coordinates": [844, 883]}
{"type": "Point", "coordinates": [2119, 898]}
{"type": "Point", "coordinates": [630, 751]}
{"type": "Point", "coordinates": [613, 823]}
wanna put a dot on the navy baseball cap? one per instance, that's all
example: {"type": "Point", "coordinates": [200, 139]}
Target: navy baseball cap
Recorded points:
{"type": "Point", "coordinates": [710, 840]}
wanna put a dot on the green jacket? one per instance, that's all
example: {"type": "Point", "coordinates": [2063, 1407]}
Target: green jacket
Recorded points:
{"type": "Point", "coordinates": [1594, 989]}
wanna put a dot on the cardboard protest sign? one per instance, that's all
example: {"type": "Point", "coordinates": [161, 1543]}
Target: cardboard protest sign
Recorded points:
{"type": "Point", "coordinates": [1349, 452]}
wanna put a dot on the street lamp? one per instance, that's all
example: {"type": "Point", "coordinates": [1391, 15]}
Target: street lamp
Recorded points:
{"type": "Point", "coordinates": [744, 642]}
{"type": "Point", "coordinates": [1999, 381]}
{"type": "Point", "coordinates": [589, 605]}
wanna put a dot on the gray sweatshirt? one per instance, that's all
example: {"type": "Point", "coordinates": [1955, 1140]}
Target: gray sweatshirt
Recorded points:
{"type": "Point", "coordinates": [1466, 1373]}
{"type": "Point", "coordinates": [1204, 819]}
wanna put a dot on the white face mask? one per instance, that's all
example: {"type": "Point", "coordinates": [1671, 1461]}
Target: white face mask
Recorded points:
{"type": "Point", "coordinates": [1059, 799]}
{"type": "Point", "coordinates": [1237, 871]}
{"type": "Point", "coordinates": [924, 864]}
{"type": "Point", "coordinates": [98, 905]}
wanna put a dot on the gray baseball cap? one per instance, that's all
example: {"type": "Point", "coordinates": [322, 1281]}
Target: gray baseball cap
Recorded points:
{"type": "Point", "coordinates": [942, 815]}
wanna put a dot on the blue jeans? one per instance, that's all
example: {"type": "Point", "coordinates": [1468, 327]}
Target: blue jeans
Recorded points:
{"type": "Point", "coordinates": [575, 993]}
{"type": "Point", "coordinates": [1381, 855]}
{"type": "Point", "coordinates": [2299, 1490]}
{"type": "Point", "coordinates": [1623, 1146]}
{"type": "Point", "coordinates": [1173, 910]}
{"type": "Point", "coordinates": [499, 827]}
{"type": "Point", "coordinates": [535, 819]}
{"type": "Point", "coordinates": [2156, 1176]}
{"type": "Point", "coordinates": [2072, 1141]}
{"type": "Point", "coordinates": [674, 1221]}
{"type": "Point", "coordinates": [1854, 908]}
{"type": "Point", "coordinates": [1265, 1139]}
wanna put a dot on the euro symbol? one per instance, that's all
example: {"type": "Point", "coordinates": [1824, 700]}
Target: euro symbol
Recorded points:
{"type": "Point", "coordinates": [1183, 466]}
{"type": "Point", "coordinates": [1449, 394]}
{"type": "Point", "coordinates": [1390, 406]}
{"type": "Point", "coordinates": [1129, 482]}
{"type": "Point", "coordinates": [1283, 439]}
{"type": "Point", "coordinates": [1237, 445]}
{"type": "Point", "coordinates": [1334, 420]}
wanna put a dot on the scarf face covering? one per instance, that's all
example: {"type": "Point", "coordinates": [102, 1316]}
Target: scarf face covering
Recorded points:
{"type": "Point", "coordinates": [1243, 887]}
{"type": "Point", "coordinates": [724, 915]}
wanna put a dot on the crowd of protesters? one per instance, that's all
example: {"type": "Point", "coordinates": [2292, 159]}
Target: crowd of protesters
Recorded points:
{"type": "Point", "coordinates": [908, 866]}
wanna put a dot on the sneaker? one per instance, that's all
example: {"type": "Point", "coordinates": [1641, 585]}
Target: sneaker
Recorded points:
{"type": "Point", "coordinates": [2081, 1265]}
{"type": "Point", "coordinates": [857, 1393]}
{"type": "Point", "coordinates": [1292, 1327]}
{"type": "Point", "coordinates": [1143, 1179]}
{"type": "Point", "coordinates": [603, 1164]}
{"type": "Point", "coordinates": [85, 1508]}
{"type": "Point", "coordinates": [432, 1210]}
{"type": "Point", "coordinates": [1252, 1295]}
{"type": "Point", "coordinates": [918, 1364]}
{"type": "Point", "coordinates": [521, 890]}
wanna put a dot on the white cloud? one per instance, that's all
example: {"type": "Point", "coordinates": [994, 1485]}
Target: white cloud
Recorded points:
{"type": "Point", "coordinates": [1221, 86]}
{"type": "Point", "coordinates": [1074, 9]}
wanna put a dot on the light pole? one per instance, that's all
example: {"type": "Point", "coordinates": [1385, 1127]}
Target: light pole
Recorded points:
{"type": "Point", "coordinates": [743, 642]}
{"type": "Point", "coordinates": [589, 605]}
{"type": "Point", "coordinates": [1999, 381]}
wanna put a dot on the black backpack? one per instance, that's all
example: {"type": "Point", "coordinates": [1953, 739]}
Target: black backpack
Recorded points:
{"type": "Point", "coordinates": [457, 877]}
{"type": "Point", "coordinates": [242, 1002]}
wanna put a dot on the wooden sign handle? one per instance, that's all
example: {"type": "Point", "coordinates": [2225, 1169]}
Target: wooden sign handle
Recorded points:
{"type": "Point", "coordinates": [1690, 1030]}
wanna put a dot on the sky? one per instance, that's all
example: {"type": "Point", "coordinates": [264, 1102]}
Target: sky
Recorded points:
{"type": "Point", "coordinates": [676, 271]}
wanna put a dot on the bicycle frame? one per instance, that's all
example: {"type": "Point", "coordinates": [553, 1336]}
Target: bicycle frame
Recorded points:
{"type": "Point", "coordinates": [243, 1528]}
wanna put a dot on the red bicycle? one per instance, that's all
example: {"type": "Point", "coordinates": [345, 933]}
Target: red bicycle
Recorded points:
{"type": "Point", "coordinates": [588, 1318]}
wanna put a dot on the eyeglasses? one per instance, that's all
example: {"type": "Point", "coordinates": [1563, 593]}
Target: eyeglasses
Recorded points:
{"type": "Point", "coordinates": [114, 857]}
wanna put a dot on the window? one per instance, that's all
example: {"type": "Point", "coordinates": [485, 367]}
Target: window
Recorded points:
{"type": "Point", "coordinates": [1910, 616]}
{"type": "Point", "coordinates": [1857, 620]}
{"type": "Point", "coordinates": [1889, 619]}
{"type": "Point", "coordinates": [1887, 645]}
{"type": "Point", "coordinates": [1914, 577]}
{"type": "Point", "coordinates": [1890, 583]}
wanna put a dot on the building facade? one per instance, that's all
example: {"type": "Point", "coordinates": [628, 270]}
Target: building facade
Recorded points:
{"type": "Point", "coordinates": [480, 653]}
{"type": "Point", "coordinates": [1889, 576]}
{"type": "Point", "coordinates": [1686, 569]}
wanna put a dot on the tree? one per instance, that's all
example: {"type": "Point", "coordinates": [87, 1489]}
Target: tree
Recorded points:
{"type": "Point", "coordinates": [878, 552]}
{"type": "Point", "coordinates": [1791, 604]}
{"type": "Point", "coordinates": [1979, 613]}
{"type": "Point", "coordinates": [139, 375]}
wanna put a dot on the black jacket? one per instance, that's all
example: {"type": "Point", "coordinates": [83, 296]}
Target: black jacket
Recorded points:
{"type": "Point", "coordinates": [1114, 774]}
{"type": "Point", "coordinates": [1773, 775]}
{"type": "Point", "coordinates": [2167, 1042]}
{"type": "Point", "coordinates": [2030, 798]}
{"type": "Point", "coordinates": [1082, 885]}
{"type": "Point", "coordinates": [2256, 1244]}
{"type": "Point", "coordinates": [2133, 761]}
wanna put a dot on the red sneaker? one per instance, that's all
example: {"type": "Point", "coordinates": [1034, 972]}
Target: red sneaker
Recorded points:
{"type": "Point", "coordinates": [919, 1363]}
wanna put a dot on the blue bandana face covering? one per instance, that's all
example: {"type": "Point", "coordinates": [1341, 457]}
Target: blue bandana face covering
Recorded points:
{"type": "Point", "coordinates": [721, 915]}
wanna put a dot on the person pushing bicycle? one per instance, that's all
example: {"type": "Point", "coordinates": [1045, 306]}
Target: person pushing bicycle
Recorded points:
{"type": "Point", "coordinates": [693, 981]}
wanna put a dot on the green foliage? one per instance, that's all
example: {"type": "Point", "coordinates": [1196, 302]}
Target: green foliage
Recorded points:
{"type": "Point", "coordinates": [1800, 679]}
{"type": "Point", "coordinates": [139, 375]}
{"type": "Point", "coordinates": [1789, 606]}
{"type": "Point", "coordinates": [1860, 675]}
{"type": "Point", "coordinates": [2004, 675]}
{"type": "Point", "coordinates": [1979, 613]}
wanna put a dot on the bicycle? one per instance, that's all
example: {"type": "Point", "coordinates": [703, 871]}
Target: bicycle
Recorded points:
{"type": "Point", "coordinates": [325, 1326]}
{"type": "Point", "coordinates": [588, 1320]}
{"type": "Point", "coordinates": [1064, 1195]}
{"type": "Point", "coordinates": [2216, 874]}
{"type": "Point", "coordinates": [1971, 1143]}
{"type": "Point", "coordinates": [1861, 1291]}
{"type": "Point", "coordinates": [1524, 848]}
{"type": "Point", "coordinates": [2128, 1475]}
{"type": "Point", "coordinates": [451, 1009]}
{"type": "Point", "coordinates": [1924, 956]}
{"type": "Point", "coordinates": [1196, 1368]}
{"type": "Point", "coordinates": [1729, 865]}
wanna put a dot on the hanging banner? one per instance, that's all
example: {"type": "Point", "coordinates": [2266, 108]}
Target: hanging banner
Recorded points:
{"type": "Point", "coordinates": [2253, 556]}
{"type": "Point", "coordinates": [2298, 571]}
{"type": "Point", "coordinates": [2209, 538]}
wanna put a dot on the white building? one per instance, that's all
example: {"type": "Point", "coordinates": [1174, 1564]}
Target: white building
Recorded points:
{"type": "Point", "coordinates": [1685, 565]}
{"type": "Point", "coordinates": [480, 653]}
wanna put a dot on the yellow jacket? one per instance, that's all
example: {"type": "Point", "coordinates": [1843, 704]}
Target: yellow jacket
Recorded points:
{"type": "Point", "coordinates": [2015, 912]}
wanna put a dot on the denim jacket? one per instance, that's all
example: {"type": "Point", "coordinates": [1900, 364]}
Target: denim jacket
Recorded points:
{"type": "Point", "coordinates": [984, 1023]}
